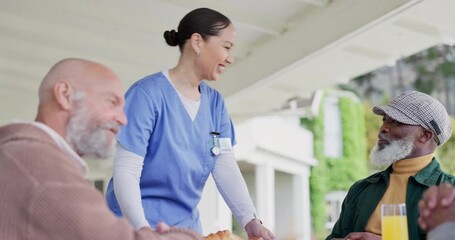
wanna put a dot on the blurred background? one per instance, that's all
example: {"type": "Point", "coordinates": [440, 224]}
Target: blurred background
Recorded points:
{"type": "Point", "coordinates": [300, 91]}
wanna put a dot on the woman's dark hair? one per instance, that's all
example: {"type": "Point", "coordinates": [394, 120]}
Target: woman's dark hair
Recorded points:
{"type": "Point", "coordinates": [204, 21]}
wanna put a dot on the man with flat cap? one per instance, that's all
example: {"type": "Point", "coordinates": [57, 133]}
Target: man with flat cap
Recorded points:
{"type": "Point", "coordinates": [414, 125]}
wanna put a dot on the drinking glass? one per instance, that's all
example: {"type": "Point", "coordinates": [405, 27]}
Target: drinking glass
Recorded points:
{"type": "Point", "coordinates": [394, 222]}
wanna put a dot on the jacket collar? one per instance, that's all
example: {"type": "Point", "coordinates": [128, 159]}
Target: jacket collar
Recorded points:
{"type": "Point", "coordinates": [428, 176]}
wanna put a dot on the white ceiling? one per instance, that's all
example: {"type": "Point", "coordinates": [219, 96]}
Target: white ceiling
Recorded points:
{"type": "Point", "coordinates": [285, 48]}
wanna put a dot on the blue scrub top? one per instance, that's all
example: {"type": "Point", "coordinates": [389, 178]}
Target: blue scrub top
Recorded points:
{"type": "Point", "coordinates": [176, 150]}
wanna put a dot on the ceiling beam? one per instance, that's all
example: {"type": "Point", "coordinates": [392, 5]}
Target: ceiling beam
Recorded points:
{"type": "Point", "coordinates": [63, 40]}
{"type": "Point", "coordinates": [83, 12]}
{"type": "Point", "coordinates": [271, 59]}
{"type": "Point", "coordinates": [420, 27]}
{"type": "Point", "coordinates": [76, 30]}
{"type": "Point", "coordinates": [319, 3]}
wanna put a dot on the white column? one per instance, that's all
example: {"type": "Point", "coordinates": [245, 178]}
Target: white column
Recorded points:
{"type": "Point", "coordinates": [265, 194]}
{"type": "Point", "coordinates": [301, 186]}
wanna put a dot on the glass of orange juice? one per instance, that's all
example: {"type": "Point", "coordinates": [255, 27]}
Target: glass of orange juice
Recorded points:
{"type": "Point", "coordinates": [394, 222]}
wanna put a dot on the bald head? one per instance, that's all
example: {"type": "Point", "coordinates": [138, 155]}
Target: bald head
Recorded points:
{"type": "Point", "coordinates": [78, 73]}
{"type": "Point", "coordinates": [77, 90]}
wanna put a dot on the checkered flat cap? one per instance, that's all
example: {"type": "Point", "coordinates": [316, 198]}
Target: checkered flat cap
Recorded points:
{"type": "Point", "coordinates": [416, 108]}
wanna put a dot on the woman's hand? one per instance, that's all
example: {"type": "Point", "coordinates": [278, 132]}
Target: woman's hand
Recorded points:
{"type": "Point", "coordinates": [362, 236]}
{"type": "Point", "coordinates": [255, 229]}
{"type": "Point", "coordinates": [162, 227]}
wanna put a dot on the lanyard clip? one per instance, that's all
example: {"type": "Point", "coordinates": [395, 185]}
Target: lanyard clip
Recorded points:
{"type": "Point", "coordinates": [215, 148]}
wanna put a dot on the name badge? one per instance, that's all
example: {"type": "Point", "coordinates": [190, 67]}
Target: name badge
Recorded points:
{"type": "Point", "coordinates": [219, 145]}
{"type": "Point", "coordinates": [225, 145]}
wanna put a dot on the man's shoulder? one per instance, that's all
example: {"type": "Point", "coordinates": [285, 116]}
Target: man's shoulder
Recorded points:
{"type": "Point", "coordinates": [447, 177]}
{"type": "Point", "coordinates": [18, 131]}
{"type": "Point", "coordinates": [32, 151]}
{"type": "Point", "coordinates": [375, 177]}
{"type": "Point", "coordinates": [23, 137]}
{"type": "Point", "coordinates": [434, 175]}
{"type": "Point", "coordinates": [360, 185]}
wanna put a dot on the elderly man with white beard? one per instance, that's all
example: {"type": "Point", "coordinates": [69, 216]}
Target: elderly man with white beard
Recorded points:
{"type": "Point", "coordinates": [44, 192]}
{"type": "Point", "coordinates": [414, 125]}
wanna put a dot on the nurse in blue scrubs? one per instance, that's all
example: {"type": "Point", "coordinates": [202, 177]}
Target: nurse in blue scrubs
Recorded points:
{"type": "Point", "coordinates": [179, 132]}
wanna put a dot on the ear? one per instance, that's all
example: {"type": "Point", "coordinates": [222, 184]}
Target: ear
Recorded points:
{"type": "Point", "coordinates": [196, 42]}
{"type": "Point", "coordinates": [63, 94]}
{"type": "Point", "coordinates": [426, 136]}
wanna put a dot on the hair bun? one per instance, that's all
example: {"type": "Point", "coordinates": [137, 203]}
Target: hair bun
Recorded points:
{"type": "Point", "coordinates": [172, 38]}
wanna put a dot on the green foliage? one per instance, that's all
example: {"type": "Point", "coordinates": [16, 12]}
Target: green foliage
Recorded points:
{"type": "Point", "coordinates": [447, 69]}
{"type": "Point", "coordinates": [308, 123]}
{"type": "Point", "coordinates": [433, 53]}
{"type": "Point", "coordinates": [318, 179]}
{"type": "Point", "coordinates": [318, 190]}
{"type": "Point", "coordinates": [424, 86]}
{"type": "Point", "coordinates": [446, 153]}
{"type": "Point", "coordinates": [435, 72]}
{"type": "Point", "coordinates": [431, 71]}
{"type": "Point", "coordinates": [336, 173]}
{"type": "Point", "coordinates": [352, 164]}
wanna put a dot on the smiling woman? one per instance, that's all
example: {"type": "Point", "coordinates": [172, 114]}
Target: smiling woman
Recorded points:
{"type": "Point", "coordinates": [175, 123]}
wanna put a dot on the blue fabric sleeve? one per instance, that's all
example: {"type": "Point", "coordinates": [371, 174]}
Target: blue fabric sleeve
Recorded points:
{"type": "Point", "coordinates": [227, 127]}
{"type": "Point", "coordinates": [139, 109]}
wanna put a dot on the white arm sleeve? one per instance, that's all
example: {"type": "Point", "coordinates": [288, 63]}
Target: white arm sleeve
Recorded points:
{"type": "Point", "coordinates": [127, 172]}
{"type": "Point", "coordinates": [232, 186]}
{"type": "Point", "coordinates": [442, 232]}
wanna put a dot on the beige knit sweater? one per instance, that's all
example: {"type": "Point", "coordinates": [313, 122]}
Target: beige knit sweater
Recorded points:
{"type": "Point", "coordinates": [44, 196]}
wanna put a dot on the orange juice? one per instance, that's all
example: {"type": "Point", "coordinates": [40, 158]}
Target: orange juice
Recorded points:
{"type": "Point", "coordinates": [394, 228]}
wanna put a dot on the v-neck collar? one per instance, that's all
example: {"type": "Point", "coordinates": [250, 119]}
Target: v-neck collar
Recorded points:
{"type": "Point", "coordinates": [179, 96]}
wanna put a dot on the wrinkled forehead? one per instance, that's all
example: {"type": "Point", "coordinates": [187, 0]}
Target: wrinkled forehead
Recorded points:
{"type": "Point", "coordinates": [102, 81]}
{"type": "Point", "coordinates": [108, 87]}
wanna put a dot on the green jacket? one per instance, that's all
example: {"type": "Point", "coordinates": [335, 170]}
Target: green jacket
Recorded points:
{"type": "Point", "coordinates": [365, 194]}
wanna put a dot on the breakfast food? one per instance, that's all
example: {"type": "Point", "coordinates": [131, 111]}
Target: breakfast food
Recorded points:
{"type": "Point", "coordinates": [222, 235]}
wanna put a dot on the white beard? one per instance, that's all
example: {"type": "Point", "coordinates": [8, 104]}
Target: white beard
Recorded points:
{"type": "Point", "coordinates": [86, 138]}
{"type": "Point", "coordinates": [394, 151]}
